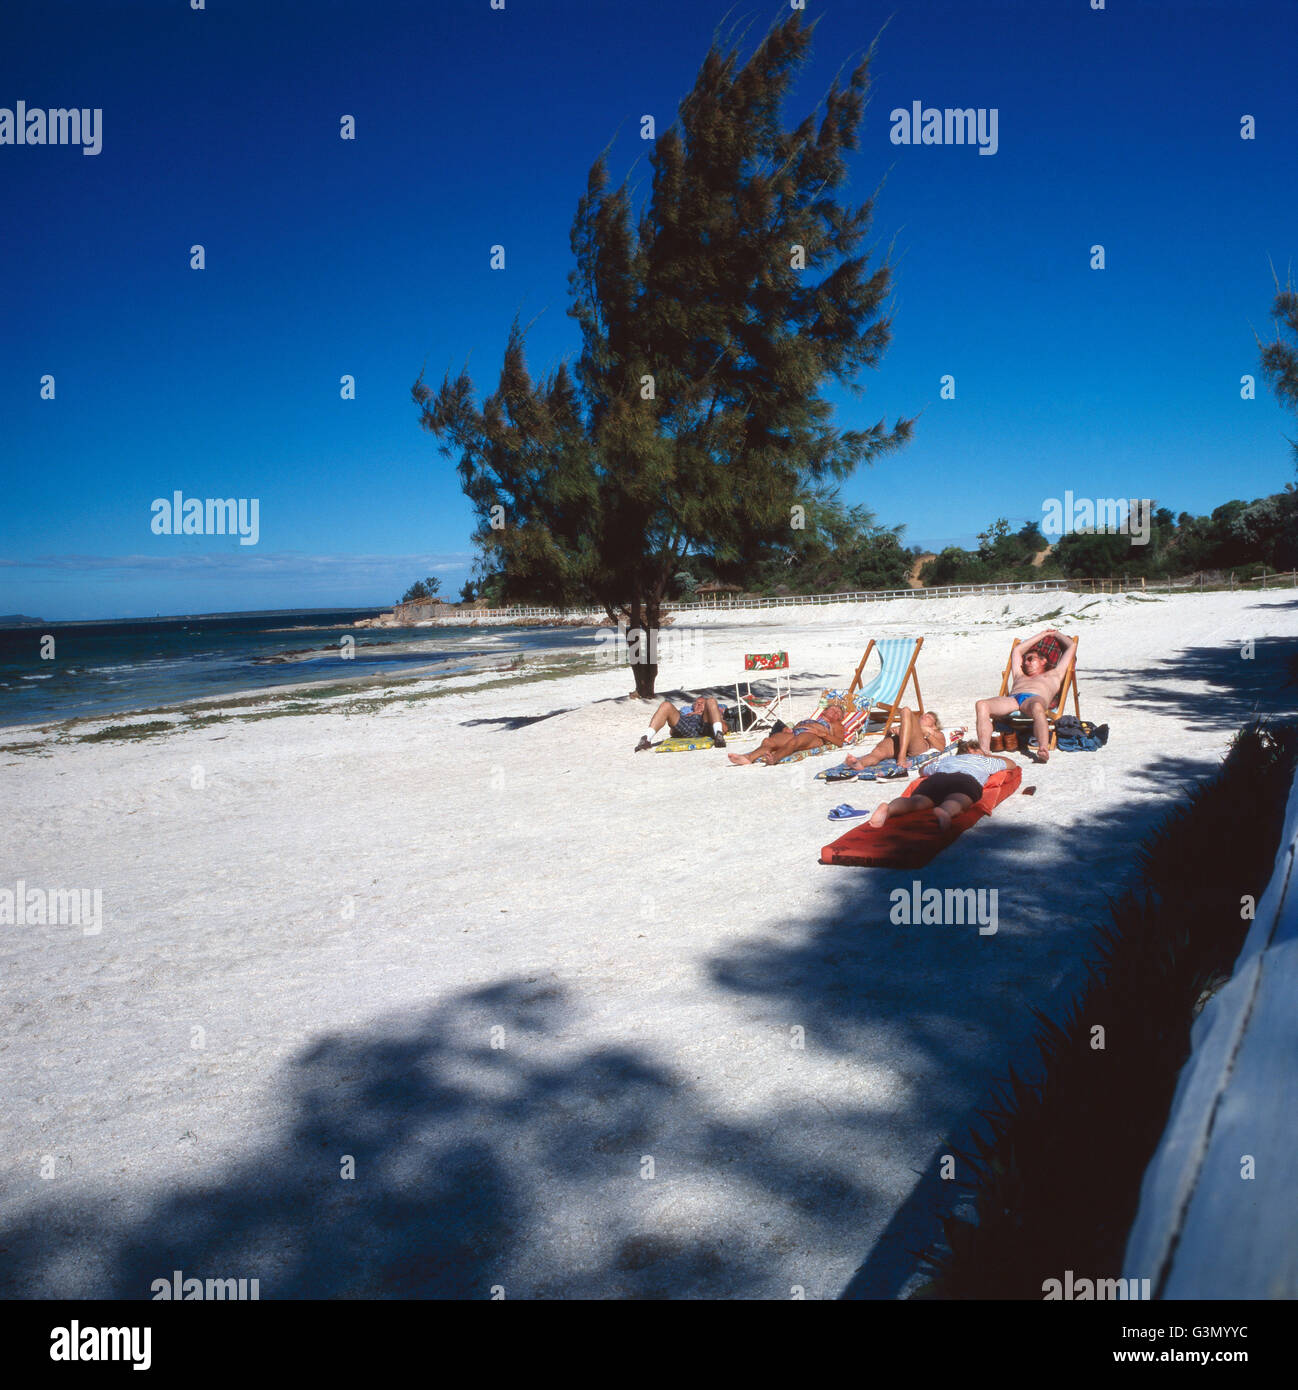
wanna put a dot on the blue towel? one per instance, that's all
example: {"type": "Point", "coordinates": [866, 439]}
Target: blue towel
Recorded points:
{"type": "Point", "coordinates": [888, 768]}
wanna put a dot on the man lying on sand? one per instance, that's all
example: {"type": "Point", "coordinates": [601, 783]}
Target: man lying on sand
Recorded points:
{"type": "Point", "coordinates": [826, 727]}
{"type": "Point", "coordinates": [1032, 689]}
{"type": "Point", "coordinates": [917, 734]}
{"type": "Point", "coordinates": [703, 715]}
{"type": "Point", "coordinates": [952, 785]}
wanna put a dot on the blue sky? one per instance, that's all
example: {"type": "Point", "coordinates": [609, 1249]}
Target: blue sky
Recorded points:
{"type": "Point", "coordinates": [478, 126]}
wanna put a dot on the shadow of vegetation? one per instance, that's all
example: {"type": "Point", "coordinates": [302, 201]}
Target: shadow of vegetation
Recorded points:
{"type": "Point", "coordinates": [474, 1166]}
{"type": "Point", "coordinates": [514, 721]}
{"type": "Point", "coordinates": [1241, 686]}
{"type": "Point", "coordinates": [945, 1010]}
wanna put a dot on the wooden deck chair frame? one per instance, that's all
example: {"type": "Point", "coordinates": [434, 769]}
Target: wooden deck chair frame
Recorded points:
{"type": "Point", "coordinates": [1053, 712]}
{"type": "Point", "coordinates": [890, 714]}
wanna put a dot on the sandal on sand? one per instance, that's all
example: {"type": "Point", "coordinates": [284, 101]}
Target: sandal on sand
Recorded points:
{"type": "Point", "coordinates": [846, 812]}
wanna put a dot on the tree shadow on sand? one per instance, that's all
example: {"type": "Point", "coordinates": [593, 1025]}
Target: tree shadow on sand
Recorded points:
{"type": "Point", "coordinates": [512, 722]}
{"type": "Point", "coordinates": [944, 1008]}
{"type": "Point", "coordinates": [518, 1166]}
{"type": "Point", "coordinates": [1245, 678]}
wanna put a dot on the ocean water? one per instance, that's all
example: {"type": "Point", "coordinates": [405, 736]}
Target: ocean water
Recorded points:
{"type": "Point", "coordinates": [109, 667]}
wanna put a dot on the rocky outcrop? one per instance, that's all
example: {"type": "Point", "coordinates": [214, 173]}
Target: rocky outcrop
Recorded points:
{"type": "Point", "coordinates": [409, 614]}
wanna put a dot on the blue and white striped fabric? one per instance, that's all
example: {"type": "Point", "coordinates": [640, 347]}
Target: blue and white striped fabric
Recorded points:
{"type": "Point", "coordinates": [895, 654]}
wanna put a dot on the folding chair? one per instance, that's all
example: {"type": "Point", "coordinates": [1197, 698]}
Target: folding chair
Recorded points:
{"type": "Point", "coordinates": [765, 709]}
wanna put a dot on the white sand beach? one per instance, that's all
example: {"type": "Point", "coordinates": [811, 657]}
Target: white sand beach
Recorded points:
{"type": "Point", "coordinates": [545, 992]}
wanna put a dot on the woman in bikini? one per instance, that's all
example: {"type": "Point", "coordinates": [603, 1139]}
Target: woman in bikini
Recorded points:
{"type": "Point", "coordinates": [917, 734]}
{"type": "Point", "coordinates": [826, 727]}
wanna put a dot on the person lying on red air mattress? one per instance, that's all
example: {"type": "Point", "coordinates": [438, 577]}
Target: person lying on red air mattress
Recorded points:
{"type": "Point", "coordinates": [963, 788]}
{"type": "Point", "coordinates": [950, 786]}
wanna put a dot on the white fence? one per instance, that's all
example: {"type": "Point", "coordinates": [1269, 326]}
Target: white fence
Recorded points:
{"type": "Point", "coordinates": [786, 601]}
{"type": "Point", "coordinates": [1167, 585]}
{"type": "Point", "coordinates": [1081, 586]}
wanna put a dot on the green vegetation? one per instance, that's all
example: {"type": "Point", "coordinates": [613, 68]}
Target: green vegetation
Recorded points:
{"type": "Point", "coordinates": [128, 731]}
{"type": "Point", "coordinates": [1240, 538]}
{"type": "Point", "coordinates": [831, 547]}
{"type": "Point", "coordinates": [1001, 556]}
{"type": "Point", "coordinates": [422, 589]}
{"type": "Point", "coordinates": [1280, 358]}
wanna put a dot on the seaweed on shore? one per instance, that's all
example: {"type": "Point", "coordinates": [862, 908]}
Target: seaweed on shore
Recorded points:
{"type": "Point", "coordinates": [339, 698]}
{"type": "Point", "coordinates": [1055, 1180]}
{"type": "Point", "coordinates": [128, 731]}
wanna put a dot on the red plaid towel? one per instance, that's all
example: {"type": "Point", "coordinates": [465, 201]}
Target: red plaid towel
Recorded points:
{"type": "Point", "coordinates": [1051, 648]}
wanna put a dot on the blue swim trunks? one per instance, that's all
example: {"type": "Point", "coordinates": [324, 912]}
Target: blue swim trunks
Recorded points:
{"type": "Point", "coordinates": [1030, 695]}
{"type": "Point", "coordinates": [691, 725]}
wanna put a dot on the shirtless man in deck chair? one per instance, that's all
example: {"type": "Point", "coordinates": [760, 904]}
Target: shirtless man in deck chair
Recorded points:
{"type": "Point", "coordinates": [1033, 689]}
{"type": "Point", "coordinates": [821, 729]}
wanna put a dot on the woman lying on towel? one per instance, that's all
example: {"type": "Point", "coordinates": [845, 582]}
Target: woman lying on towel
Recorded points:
{"type": "Point", "coordinates": [951, 786]}
{"type": "Point", "coordinates": [917, 734]}
{"type": "Point", "coordinates": [823, 728]}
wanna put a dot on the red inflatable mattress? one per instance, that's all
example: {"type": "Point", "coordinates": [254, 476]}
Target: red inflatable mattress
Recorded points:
{"type": "Point", "coordinates": [909, 842]}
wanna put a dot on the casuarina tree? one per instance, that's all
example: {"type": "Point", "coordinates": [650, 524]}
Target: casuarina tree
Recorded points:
{"type": "Point", "coordinates": [1280, 358]}
{"type": "Point", "coordinates": [712, 319]}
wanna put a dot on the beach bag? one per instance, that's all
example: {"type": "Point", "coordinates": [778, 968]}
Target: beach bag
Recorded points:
{"type": "Point", "coordinates": [1073, 735]}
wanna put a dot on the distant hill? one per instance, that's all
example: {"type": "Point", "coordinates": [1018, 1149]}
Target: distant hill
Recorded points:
{"type": "Point", "coordinates": [20, 620]}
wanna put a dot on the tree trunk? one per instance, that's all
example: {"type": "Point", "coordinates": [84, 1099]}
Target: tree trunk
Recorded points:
{"type": "Point", "coordinates": [642, 645]}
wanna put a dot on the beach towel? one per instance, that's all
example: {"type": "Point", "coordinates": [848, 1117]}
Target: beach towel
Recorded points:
{"type": "Point", "coordinates": [888, 767]}
{"type": "Point", "coordinates": [1051, 649]}
{"type": "Point", "coordinates": [766, 661]}
{"type": "Point", "coordinates": [683, 745]}
{"type": "Point", "coordinates": [880, 771]}
{"type": "Point", "coordinates": [910, 842]}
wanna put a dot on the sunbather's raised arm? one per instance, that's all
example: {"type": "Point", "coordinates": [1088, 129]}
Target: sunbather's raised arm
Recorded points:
{"type": "Point", "coordinates": [1029, 642]}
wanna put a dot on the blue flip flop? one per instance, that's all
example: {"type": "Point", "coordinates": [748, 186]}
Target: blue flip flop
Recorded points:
{"type": "Point", "coordinates": [846, 812]}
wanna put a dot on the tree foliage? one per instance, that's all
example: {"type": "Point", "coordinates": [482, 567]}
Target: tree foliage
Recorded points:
{"type": "Point", "coordinates": [422, 589]}
{"type": "Point", "coordinates": [836, 547]}
{"type": "Point", "coordinates": [710, 322]}
{"type": "Point", "coordinates": [1280, 358]}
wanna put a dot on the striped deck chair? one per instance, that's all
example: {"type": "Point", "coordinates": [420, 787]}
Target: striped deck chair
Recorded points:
{"type": "Point", "coordinates": [1022, 723]}
{"type": "Point", "coordinates": [881, 698]}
